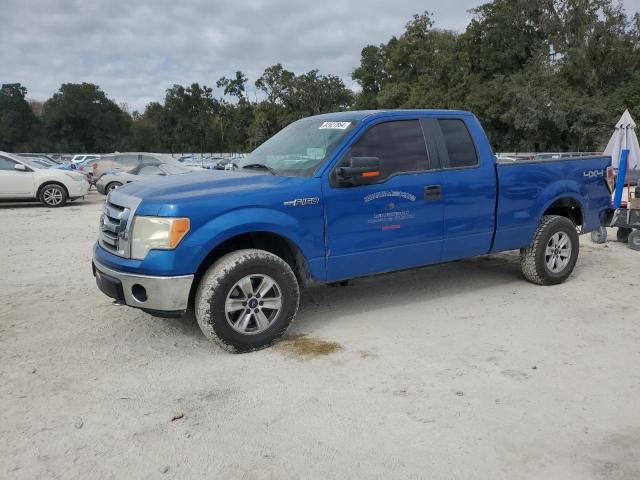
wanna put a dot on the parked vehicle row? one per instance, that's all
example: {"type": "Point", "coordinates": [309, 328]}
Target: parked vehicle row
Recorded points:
{"type": "Point", "coordinates": [207, 162]}
{"type": "Point", "coordinates": [23, 176]}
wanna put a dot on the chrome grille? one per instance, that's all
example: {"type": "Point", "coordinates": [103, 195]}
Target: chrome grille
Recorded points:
{"type": "Point", "coordinates": [114, 224]}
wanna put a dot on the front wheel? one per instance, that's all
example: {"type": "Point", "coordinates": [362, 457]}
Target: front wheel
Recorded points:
{"type": "Point", "coordinates": [247, 300]}
{"type": "Point", "coordinates": [553, 254]}
{"type": "Point", "coordinates": [634, 240]}
{"type": "Point", "coordinates": [53, 195]}
{"type": "Point", "coordinates": [112, 186]}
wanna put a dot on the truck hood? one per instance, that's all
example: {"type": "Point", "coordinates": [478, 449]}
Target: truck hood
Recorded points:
{"type": "Point", "coordinates": [189, 188]}
{"type": "Point", "coordinates": [173, 188]}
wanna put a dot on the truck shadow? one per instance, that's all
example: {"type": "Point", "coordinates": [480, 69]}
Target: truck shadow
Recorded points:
{"type": "Point", "coordinates": [326, 304]}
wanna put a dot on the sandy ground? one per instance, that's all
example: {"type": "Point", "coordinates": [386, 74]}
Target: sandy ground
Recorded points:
{"type": "Point", "coordinates": [458, 371]}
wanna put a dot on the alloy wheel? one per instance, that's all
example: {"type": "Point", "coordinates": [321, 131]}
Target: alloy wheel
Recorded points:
{"type": "Point", "coordinates": [253, 304]}
{"type": "Point", "coordinates": [52, 196]}
{"type": "Point", "coordinates": [558, 252]}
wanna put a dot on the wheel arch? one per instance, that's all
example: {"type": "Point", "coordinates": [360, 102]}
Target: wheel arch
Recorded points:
{"type": "Point", "coordinates": [266, 240]}
{"type": "Point", "coordinates": [51, 182]}
{"type": "Point", "coordinates": [567, 206]}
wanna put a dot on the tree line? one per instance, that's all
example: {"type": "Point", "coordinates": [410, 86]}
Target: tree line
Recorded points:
{"type": "Point", "coordinates": [544, 75]}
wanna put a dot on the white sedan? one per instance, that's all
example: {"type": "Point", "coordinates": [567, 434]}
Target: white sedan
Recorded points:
{"type": "Point", "coordinates": [23, 179]}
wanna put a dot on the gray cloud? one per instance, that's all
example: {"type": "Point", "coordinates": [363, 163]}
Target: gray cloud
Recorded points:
{"type": "Point", "coordinates": [136, 49]}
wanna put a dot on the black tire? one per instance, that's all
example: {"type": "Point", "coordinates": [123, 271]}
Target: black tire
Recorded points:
{"type": "Point", "coordinates": [534, 259]}
{"type": "Point", "coordinates": [634, 240]}
{"type": "Point", "coordinates": [599, 236]}
{"type": "Point", "coordinates": [53, 195]}
{"type": "Point", "coordinates": [111, 186]}
{"type": "Point", "coordinates": [623, 234]}
{"type": "Point", "coordinates": [220, 283]}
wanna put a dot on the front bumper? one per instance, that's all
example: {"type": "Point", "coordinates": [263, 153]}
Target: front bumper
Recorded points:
{"type": "Point", "coordinates": [161, 294]}
{"type": "Point", "coordinates": [100, 185]}
{"type": "Point", "coordinates": [78, 189]}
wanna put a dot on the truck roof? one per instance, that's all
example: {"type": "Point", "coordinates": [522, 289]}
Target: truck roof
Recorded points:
{"type": "Point", "coordinates": [368, 114]}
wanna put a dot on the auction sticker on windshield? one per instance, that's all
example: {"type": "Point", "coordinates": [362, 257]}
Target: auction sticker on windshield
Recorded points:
{"type": "Point", "coordinates": [334, 126]}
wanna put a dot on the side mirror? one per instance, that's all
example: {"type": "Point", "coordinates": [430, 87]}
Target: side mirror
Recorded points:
{"type": "Point", "coordinates": [360, 171]}
{"type": "Point", "coordinates": [20, 167]}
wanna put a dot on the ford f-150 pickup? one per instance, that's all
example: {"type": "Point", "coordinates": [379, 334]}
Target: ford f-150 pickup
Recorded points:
{"type": "Point", "coordinates": [335, 197]}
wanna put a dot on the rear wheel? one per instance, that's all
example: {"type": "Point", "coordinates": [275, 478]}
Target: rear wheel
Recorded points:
{"type": "Point", "coordinates": [553, 253]}
{"type": "Point", "coordinates": [634, 240]}
{"type": "Point", "coordinates": [599, 236]}
{"type": "Point", "coordinates": [247, 300]}
{"type": "Point", "coordinates": [53, 195]}
{"type": "Point", "coordinates": [623, 234]}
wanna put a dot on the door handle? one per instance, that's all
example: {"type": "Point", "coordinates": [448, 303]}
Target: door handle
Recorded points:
{"type": "Point", "coordinates": [432, 192]}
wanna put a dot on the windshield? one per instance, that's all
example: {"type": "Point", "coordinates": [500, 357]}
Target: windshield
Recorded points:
{"type": "Point", "coordinates": [300, 148]}
{"type": "Point", "coordinates": [41, 161]}
{"type": "Point", "coordinates": [33, 163]}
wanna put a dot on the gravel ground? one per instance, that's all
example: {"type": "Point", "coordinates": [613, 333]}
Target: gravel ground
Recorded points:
{"type": "Point", "coordinates": [457, 371]}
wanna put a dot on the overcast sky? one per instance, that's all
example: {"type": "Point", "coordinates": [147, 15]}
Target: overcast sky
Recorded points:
{"type": "Point", "coordinates": [136, 49]}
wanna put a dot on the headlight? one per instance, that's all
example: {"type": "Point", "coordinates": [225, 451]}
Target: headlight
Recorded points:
{"type": "Point", "coordinates": [156, 233]}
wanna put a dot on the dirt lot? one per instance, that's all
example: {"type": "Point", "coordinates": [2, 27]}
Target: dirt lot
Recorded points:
{"type": "Point", "coordinates": [456, 371]}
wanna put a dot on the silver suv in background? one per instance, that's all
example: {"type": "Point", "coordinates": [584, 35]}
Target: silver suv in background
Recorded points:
{"type": "Point", "coordinates": [112, 180]}
{"type": "Point", "coordinates": [122, 162]}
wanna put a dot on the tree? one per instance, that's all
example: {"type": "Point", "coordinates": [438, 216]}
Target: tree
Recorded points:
{"type": "Point", "coordinates": [80, 118]}
{"type": "Point", "coordinates": [18, 124]}
{"type": "Point", "coordinates": [188, 115]}
{"type": "Point", "coordinates": [504, 35]}
{"type": "Point", "coordinates": [543, 75]}
{"type": "Point", "coordinates": [371, 75]}
{"type": "Point", "coordinates": [147, 134]}
{"type": "Point", "coordinates": [234, 87]}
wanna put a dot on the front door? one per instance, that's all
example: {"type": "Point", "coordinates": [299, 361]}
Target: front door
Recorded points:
{"type": "Point", "coordinates": [395, 222]}
{"type": "Point", "coordinates": [14, 183]}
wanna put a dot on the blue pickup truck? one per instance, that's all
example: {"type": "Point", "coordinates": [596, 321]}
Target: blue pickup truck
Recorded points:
{"type": "Point", "coordinates": [334, 197]}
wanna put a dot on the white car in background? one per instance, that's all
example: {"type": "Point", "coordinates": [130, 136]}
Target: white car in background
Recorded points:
{"type": "Point", "coordinates": [24, 179]}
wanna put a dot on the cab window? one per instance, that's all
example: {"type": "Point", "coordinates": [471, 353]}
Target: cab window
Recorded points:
{"type": "Point", "coordinates": [460, 146]}
{"type": "Point", "coordinates": [399, 145]}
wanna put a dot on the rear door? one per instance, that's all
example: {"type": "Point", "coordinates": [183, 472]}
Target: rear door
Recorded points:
{"type": "Point", "coordinates": [469, 186]}
{"type": "Point", "coordinates": [391, 224]}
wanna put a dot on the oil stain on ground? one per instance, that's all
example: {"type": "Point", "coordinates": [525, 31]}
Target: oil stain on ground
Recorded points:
{"type": "Point", "coordinates": [303, 347]}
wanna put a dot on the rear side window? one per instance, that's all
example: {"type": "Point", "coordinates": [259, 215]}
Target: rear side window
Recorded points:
{"type": "Point", "coordinates": [128, 160]}
{"type": "Point", "coordinates": [399, 145]}
{"type": "Point", "coordinates": [460, 146]}
{"type": "Point", "coordinates": [6, 164]}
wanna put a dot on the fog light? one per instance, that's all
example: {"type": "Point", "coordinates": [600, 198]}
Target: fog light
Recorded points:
{"type": "Point", "coordinates": [139, 293]}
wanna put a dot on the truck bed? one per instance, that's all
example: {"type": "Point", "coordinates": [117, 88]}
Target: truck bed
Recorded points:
{"type": "Point", "coordinates": [528, 188]}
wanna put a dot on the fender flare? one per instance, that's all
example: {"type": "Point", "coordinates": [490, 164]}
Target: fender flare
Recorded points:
{"type": "Point", "coordinates": [569, 196]}
{"type": "Point", "coordinates": [255, 220]}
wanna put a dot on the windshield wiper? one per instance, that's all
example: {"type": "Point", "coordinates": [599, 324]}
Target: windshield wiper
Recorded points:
{"type": "Point", "coordinates": [261, 166]}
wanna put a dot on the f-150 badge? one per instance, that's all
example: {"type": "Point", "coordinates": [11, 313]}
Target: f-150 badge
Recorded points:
{"type": "Point", "coordinates": [298, 202]}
